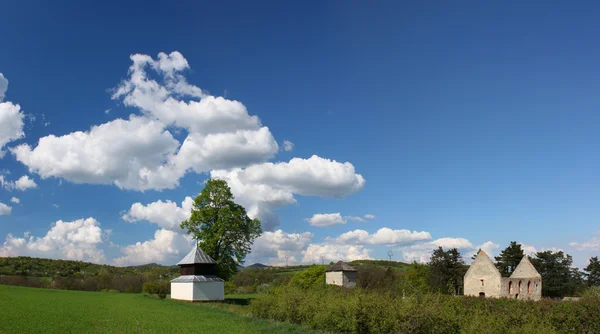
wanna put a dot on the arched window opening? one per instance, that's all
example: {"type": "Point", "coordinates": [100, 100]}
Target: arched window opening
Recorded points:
{"type": "Point", "coordinates": [520, 288]}
{"type": "Point", "coordinates": [510, 288]}
{"type": "Point", "coordinates": [529, 288]}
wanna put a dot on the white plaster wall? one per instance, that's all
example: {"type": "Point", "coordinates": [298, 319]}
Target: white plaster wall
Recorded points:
{"type": "Point", "coordinates": [209, 291]}
{"type": "Point", "coordinates": [334, 277]}
{"type": "Point", "coordinates": [491, 281]}
{"type": "Point", "coordinates": [182, 291]}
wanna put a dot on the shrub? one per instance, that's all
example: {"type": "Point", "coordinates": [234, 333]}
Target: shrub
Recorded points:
{"type": "Point", "coordinates": [336, 309]}
{"type": "Point", "coordinates": [592, 292]}
{"type": "Point", "coordinates": [311, 277]}
{"type": "Point", "coordinates": [160, 288]}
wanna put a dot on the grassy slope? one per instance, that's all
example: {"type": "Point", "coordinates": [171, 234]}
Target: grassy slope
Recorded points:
{"type": "Point", "coordinates": [26, 310]}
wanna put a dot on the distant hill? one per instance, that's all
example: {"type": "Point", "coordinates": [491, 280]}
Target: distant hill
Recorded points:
{"type": "Point", "coordinates": [257, 265]}
{"type": "Point", "coordinates": [39, 267]}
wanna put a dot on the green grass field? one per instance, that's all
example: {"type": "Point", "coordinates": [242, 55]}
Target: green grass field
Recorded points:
{"type": "Point", "coordinates": [31, 310]}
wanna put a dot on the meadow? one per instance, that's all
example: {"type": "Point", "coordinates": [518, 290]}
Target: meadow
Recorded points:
{"type": "Point", "coordinates": [33, 310]}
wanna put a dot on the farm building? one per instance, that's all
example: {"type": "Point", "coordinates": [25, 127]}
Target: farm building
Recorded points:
{"type": "Point", "coordinates": [198, 280]}
{"type": "Point", "coordinates": [341, 274]}
{"type": "Point", "coordinates": [484, 280]}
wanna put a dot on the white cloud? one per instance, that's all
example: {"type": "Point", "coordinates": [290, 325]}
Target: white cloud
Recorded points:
{"type": "Point", "coordinates": [128, 153]}
{"type": "Point", "coordinates": [273, 247]}
{"type": "Point", "coordinates": [11, 123]}
{"type": "Point", "coordinates": [55, 205]}
{"type": "Point", "coordinates": [167, 247]}
{"type": "Point", "coordinates": [369, 216]}
{"type": "Point", "coordinates": [265, 187]}
{"type": "Point", "coordinates": [5, 210]}
{"type": "Point", "coordinates": [593, 244]}
{"type": "Point", "coordinates": [325, 219]}
{"type": "Point", "coordinates": [140, 153]}
{"type": "Point", "coordinates": [315, 253]}
{"type": "Point", "coordinates": [15, 200]}
{"type": "Point", "coordinates": [166, 214]}
{"type": "Point", "coordinates": [288, 145]}
{"type": "Point", "coordinates": [315, 176]}
{"type": "Point", "coordinates": [3, 86]}
{"type": "Point", "coordinates": [107, 111]}
{"type": "Point", "coordinates": [422, 252]}
{"type": "Point", "coordinates": [22, 184]}
{"type": "Point", "coordinates": [384, 236]}
{"type": "Point", "coordinates": [76, 240]}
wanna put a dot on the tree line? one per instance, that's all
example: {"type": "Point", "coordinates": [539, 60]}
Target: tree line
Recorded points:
{"type": "Point", "coordinates": [447, 268]}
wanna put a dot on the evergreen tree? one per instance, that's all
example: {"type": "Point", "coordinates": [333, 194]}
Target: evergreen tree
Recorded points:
{"type": "Point", "coordinates": [509, 258]}
{"type": "Point", "coordinates": [593, 272]}
{"type": "Point", "coordinates": [446, 271]}
{"type": "Point", "coordinates": [559, 279]}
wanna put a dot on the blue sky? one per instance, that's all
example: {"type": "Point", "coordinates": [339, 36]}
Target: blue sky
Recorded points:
{"type": "Point", "coordinates": [466, 125]}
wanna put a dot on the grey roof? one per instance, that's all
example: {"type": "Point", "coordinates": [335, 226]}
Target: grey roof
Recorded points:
{"type": "Point", "coordinates": [196, 256]}
{"type": "Point", "coordinates": [340, 266]}
{"type": "Point", "coordinates": [196, 278]}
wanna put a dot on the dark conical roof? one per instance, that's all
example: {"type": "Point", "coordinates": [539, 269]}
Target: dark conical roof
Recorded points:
{"type": "Point", "coordinates": [340, 266]}
{"type": "Point", "coordinates": [196, 256]}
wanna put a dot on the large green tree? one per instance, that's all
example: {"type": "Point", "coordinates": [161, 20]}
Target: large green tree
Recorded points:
{"type": "Point", "coordinates": [593, 272]}
{"type": "Point", "coordinates": [222, 227]}
{"type": "Point", "coordinates": [509, 258]}
{"type": "Point", "coordinates": [446, 271]}
{"type": "Point", "coordinates": [559, 279]}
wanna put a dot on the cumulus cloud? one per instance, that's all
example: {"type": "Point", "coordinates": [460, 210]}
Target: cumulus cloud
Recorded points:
{"type": "Point", "coordinates": [5, 210]}
{"type": "Point", "coordinates": [422, 252]}
{"type": "Point", "coordinates": [129, 153]}
{"type": "Point", "coordinates": [274, 247]}
{"type": "Point", "coordinates": [325, 219]}
{"type": "Point", "coordinates": [315, 253]}
{"type": "Point", "coordinates": [265, 187]}
{"type": "Point", "coordinates": [166, 214]}
{"type": "Point", "coordinates": [22, 184]}
{"type": "Point", "coordinates": [330, 219]}
{"type": "Point", "coordinates": [288, 145]}
{"type": "Point", "coordinates": [3, 86]}
{"type": "Point", "coordinates": [167, 248]}
{"type": "Point", "coordinates": [593, 244]}
{"type": "Point", "coordinates": [383, 236]}
{"type": "Point", "coordinates": [76, 240]}
{"type": "Point", "coordinates": [15, 200]}
{"type": "Point", "coordinates": [11, 123]}
{"type": "Point", "coordinates": [369, 216]}
{"type": "Point", "coordinates": [140, 153]}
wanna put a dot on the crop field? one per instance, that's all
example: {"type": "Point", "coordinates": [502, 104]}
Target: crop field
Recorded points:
{"type": "Point", "coordinates": [32, 310]}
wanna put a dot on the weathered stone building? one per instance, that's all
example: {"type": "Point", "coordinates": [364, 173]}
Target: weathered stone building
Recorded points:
{"type": "Point", "coordinates": [341, 274]}
{"type": "Point", "coordinates": [484, 280]}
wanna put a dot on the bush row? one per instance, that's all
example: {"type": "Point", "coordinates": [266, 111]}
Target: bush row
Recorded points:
{"type": "Point", "coordinates": [127, 283]}
{"type": "Point", "coordinates": [336, 309]}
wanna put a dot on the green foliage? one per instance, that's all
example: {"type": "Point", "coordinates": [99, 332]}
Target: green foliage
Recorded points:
{"type": "Point", "coordinates": [446, 271]}
{"type": "Point", "coordinates": [416, 279]}
{"type": "Point", "coordinates": [591, 292]}
{"type": "Point", "coordinates": [593, 272]}
{"type": "Point", "coordinates": [558, 278]}
{"type": "Point", "coordinates": [311, 277]}
{"type": "Point", "coordinates": [159, 288]}
{"type": "Point", "coordinates": [27, 310]}
{"type": "Point", "coordinates": [509, 258]}
{"type": "Point", "coordinates": [360, 311]}
{"type": "Point", "coordinates": [224, 229]}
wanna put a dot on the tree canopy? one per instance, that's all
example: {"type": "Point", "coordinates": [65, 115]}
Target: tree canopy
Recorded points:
{"type": "Point", "coordinates": [509, 258]}
{"type": "Point", "coordinates": [593, 272]}
{"type": "Point", "coordinates": [222, 227]}
{"type": "Point", "coordinates": [446, 271]}
{"type": "Point", "coordinates": [559, 279]}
